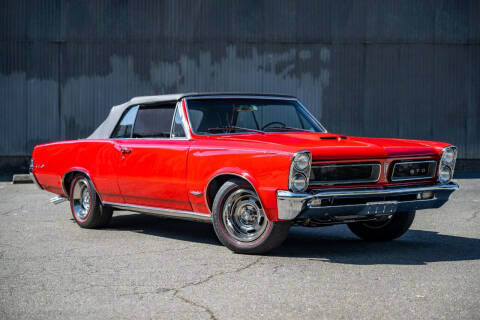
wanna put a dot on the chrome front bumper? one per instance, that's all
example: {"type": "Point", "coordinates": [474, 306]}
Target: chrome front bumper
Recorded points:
{"type": "Point", "coordinates": [360, 202]}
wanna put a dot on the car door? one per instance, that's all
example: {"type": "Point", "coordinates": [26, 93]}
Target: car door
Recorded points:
{"type": "Point", "coordinates": [151, 168]}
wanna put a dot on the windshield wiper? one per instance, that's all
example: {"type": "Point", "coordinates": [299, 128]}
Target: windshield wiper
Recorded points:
{"type": "Point", "coordinates": [234, 128]}
{"type": "Point", "coordinates": [287, 128]}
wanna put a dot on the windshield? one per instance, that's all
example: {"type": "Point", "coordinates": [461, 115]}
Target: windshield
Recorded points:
{"type": "Point", "coordinates": [234, 115]}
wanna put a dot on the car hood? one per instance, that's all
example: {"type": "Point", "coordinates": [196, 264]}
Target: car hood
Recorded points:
{"type": "Point", "coordinates": [328, 146]}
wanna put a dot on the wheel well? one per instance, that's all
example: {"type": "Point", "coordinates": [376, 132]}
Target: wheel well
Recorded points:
{"type": "Point", "coordinates": [67, 180]}
{"type": "Point", "coordinates": [215, 185]}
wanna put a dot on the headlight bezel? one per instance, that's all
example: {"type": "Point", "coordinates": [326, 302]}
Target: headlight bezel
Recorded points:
{"type": "Point", "coordinates": [301, 161]}
{"type": "Point", "coordinates": [296, 169]}
{"type": "Point", "coordinates": [297, 177]}
{"type": "Point", "coordinates": [447, 160]}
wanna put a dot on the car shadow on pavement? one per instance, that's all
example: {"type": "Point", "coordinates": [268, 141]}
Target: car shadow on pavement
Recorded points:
{"type": "Point", "coordinates": [330, 244]}
{"type": "Point", "coordinates": [338, 245]}
{"type": "Point", "coordinates": [165, 227]}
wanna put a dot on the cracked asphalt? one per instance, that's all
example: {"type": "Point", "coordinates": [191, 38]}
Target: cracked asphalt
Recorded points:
{"type": "Point", "coordinates": [145, 267]}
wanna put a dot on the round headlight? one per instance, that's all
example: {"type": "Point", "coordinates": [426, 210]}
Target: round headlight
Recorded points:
{"type": "Point", "coordinates": [448, 156]}
{"type": "Point", "coordinates": [299, 182]}
{"type": "Point", "coordinates": [445, 174]}
{"type": "Point", "coordinates": [301, 161]}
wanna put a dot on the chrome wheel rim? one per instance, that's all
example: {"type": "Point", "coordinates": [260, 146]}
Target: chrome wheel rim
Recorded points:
{"type": "Point", "coordinates": [81, 199]}
{"type": "Point", "coordinates": [243, 216]}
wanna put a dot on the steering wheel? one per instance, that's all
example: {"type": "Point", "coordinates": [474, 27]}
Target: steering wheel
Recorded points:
{"type": "Point", "coordinates": [274, 122]}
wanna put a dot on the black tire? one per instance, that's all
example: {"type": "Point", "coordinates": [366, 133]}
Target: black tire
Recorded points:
{"type": "Point", "coordinates": [387, 230]}
{"type": "Point", "coordinates": [94, 214]}
{"type": "Point", "coordinates": [271, 234]}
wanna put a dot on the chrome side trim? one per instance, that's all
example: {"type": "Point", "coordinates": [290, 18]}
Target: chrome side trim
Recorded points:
{"type": "Point", "coordinates": [413, 178]}
{"type": "Point", "coordinates": [290, 204]}
{"type": "Point", "coordinates": [180, 214]}
{"type": "Point", "coordinates": [324, 183]}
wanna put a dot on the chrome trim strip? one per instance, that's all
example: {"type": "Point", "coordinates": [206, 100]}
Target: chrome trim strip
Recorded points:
{"type": "Point", "coordinates": [376, 192]}
{"type": "Point", "coordinates": [290, 204]}
{"type": "Point", "coordinates": [181, 214]}
{"type": "Point", "coordinates": [247, 96]}
{"type": "Point", "coordinates": [179, 109]}
{"type": "Point", "coordinates": [312, 116]}
{"type": "Point", "coordinates": [414, 178]}
{"type": "Point", "coordinates": [322, 183]}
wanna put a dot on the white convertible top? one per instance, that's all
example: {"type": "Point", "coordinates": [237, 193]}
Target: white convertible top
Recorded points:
{"type": "Point", "coordinates": [105, 129]}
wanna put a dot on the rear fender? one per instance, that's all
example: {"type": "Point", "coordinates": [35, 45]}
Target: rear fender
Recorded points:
{"type": "Point", "coordinates": [68, 176]}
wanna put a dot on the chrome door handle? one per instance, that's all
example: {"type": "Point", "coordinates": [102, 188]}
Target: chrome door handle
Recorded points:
{"type": "Point", "coordinates": [125, 150]}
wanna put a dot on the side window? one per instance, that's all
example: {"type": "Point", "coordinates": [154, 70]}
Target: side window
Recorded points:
{"type": "Point", "coordinates": [153, 122]}
{"type": "Point", "coordinates": [177, 129]}
{"type": "Point", "coordinates": [125, 126]}
{"type": "Point", "coordinates": [196, 118]}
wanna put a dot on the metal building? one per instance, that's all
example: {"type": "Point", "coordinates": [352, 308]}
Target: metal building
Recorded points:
{"type": "Point", "coordinates": [408, 69]}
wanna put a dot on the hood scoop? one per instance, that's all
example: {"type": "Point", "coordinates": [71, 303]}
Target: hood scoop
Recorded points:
{"type": "Point", "coordinates": [333, 137]}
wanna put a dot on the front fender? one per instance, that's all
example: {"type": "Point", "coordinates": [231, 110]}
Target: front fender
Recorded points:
{"type": "Point", "coordinates": [267, 172]}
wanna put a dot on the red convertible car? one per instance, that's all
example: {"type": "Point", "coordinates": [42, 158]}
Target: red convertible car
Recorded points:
{"type": "Point", "coordinates": [252, 165]}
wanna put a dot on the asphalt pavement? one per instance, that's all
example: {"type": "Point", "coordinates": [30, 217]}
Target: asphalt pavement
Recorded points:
{"type": "Point", "coordinates": [145, 267]}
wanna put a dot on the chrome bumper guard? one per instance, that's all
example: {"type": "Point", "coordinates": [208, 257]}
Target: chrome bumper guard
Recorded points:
{"type": "Point", "coordinates": [310, 205]}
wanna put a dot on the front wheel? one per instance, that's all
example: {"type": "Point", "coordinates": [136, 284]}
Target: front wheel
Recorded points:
{"type": "Point", "coordinates": [384, 230]}
{"type": "Point", "coordinates": [240, 222]}
{"type": "Point", "coordinates": [87, 209]}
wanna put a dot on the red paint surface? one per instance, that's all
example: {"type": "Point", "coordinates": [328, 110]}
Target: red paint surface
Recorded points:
{"type": "Point", "coordinates": [162, 172]}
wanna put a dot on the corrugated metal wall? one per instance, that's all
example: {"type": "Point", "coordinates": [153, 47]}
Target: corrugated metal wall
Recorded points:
{"type": "Point", "coordinates": [391, 68]}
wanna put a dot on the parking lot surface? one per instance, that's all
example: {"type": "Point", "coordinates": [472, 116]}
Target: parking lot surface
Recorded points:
{"type": "Point", "coordinates": [144, 267]}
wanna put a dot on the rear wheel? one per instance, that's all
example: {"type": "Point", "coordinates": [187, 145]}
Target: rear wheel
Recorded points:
{"type": "Point", "coordinates": [384, 230]}
{"type": "Point", "coordinates": [240, 222]}
{"type": "Point", "coordinates": [85, 204]}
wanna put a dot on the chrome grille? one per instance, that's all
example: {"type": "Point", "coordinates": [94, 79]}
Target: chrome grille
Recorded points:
{"type": "Point", "coordinates": [344, 173]}
{"type": "Point", "coordinates": [413, 170]}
